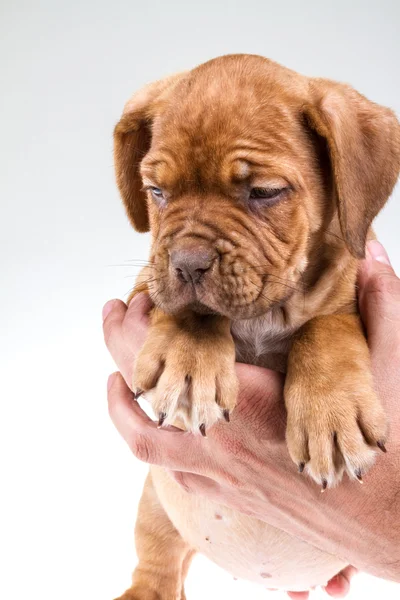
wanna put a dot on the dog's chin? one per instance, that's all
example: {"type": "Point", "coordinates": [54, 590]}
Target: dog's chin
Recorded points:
{"type": "Point", "coordinates": [177, 304]}
{"type": "Point", "coordinates": [201, 309]}
{"type": "Point", "coordinates": [206, 301]}
{"type": "Point", "coordinates": [195, 306]}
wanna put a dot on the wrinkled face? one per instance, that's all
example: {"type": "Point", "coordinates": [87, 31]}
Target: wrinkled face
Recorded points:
{"type": "Point", "coordinates": [251, 179]}
{"type": "Point", "coordinates": [235, 193]}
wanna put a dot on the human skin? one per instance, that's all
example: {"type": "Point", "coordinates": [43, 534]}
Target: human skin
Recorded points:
{"type": "Point", "coordinates": [245, 464]}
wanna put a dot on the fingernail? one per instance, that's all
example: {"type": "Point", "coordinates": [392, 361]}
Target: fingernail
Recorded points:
{"type": "Point", "coordinates": [111, 380]}
{"type": "Point", "coordinates": [107, 308]}
{"type": "Point", "coordinates": [377, 252]}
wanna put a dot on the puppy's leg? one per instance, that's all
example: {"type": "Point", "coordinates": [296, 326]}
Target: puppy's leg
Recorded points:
{"type": "Point", "coordinates": [164, 557]}
{"type": "Point", "coordinates": [185, 568]}
{"type": "Point", "coordinates": [187, 364]}
{"type": "Point", "coordinates": [335, 419]}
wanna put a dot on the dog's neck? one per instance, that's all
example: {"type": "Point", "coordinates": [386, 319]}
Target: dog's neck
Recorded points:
{"type": "Point", "coordinates": [328, 287]}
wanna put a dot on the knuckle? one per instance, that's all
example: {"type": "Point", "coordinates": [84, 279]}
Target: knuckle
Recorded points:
{"type": "Point", "coordinates": [139, 305]}
{"type": "Point", "coordinates": [180, 479]}
{"type": "Point", "coordinates": [384, 285]}
{"type": "Point", "coordinates": [141, 447]}
{"type": "Point", "coordinates": [111, 400]}
{"type": "Point", "coordinates": [107, 330]}
{"type": "Point", "coordinates": [230, 444]}
{"type": "Point", "coordinates": [231, 480]}
{"type": "Point", "coordinates": [135, 301]}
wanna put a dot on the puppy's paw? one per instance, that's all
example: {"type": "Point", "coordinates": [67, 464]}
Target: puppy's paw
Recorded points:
{"type": "Point", "coordinates": [339, 430]}
{"type": "Point", "coordinates": [190, 376]}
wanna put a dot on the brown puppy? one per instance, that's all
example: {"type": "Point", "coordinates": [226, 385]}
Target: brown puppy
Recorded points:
{"type": "Point", "coordinates": [259, 187]}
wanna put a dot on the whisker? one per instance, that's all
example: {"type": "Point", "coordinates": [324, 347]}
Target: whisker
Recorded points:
{"type": "Point", "coordinates": [155, 298]}
{"type": "Point", "coordinates": [136, 261]}
{"type": "Point", "coordinates": [282, 281]}
{"type": "Point", "coordinates": [260, 289]}
{"type": "Point", "coordinates": [126, 266]}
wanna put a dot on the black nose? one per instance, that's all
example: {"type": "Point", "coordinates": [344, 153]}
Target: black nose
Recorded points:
{"type": "Point", "coordinates": [192, 262]}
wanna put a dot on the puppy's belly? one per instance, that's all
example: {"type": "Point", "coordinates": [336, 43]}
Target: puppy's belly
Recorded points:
{"type": "Point", "coordinates": [244, 546]}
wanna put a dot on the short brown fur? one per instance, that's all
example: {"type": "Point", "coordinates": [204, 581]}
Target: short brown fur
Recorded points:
{"type": "Point", "coordinates": [279, 287]}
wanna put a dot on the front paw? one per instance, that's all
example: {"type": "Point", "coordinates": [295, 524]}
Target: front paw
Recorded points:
{"type": "Point", "coordinates": [334, 430]}
{"type": "Point", "coordinates": [190, 378]}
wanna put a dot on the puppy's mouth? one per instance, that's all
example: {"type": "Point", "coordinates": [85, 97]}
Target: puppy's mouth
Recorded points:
{"type": "Point", "coordinates": [210, 297]}
{"type": "Point", "coordinates": [194, 297]}
{"type": "Point", "coordinates": [211, 283]}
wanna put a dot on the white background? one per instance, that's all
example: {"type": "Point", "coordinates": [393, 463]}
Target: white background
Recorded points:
{"type": "Point", "coordinates": [69, 486]}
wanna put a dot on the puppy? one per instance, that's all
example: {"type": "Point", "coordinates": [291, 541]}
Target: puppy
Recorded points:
{"type": "Point", "coordinates": [259, 187]}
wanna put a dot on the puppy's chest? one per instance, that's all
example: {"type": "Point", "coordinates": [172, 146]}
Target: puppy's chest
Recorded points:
{"type": "Point", "coordinates": [263, 341]}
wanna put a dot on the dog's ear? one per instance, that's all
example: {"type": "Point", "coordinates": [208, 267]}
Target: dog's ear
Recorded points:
{"type": "Point", "coordinates": [363, 142]}
{"type": "Point", "coordinates": [132, 139]}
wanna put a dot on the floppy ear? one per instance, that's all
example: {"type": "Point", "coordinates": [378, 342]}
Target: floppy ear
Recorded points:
{"type": "Point", "coordinates": [132, 139]}
{"type": "Point", "coordinates": [363, 141]}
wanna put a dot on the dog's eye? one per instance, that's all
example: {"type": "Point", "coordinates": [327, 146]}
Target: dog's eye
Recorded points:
{"type": "Point", "coordinates": [156, 193]}
{"type": "Point", "coordinates": [266, 193]}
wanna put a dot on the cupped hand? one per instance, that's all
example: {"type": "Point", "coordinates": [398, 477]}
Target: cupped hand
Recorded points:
{"type": "Point", "coordinates": [245, 464]}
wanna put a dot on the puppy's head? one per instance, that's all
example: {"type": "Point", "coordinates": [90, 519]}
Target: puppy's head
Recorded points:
{"type": "Point", "coordinates": [238, 168]}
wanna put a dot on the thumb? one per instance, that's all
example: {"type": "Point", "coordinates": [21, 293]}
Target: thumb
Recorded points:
{"type": "Point", "coordinates": [379, 298]}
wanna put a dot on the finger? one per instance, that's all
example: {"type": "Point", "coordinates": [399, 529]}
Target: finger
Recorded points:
{"type": "Point", "coordinates": [113, 316]}
{"type": "Point", "coordinates": [134, 330]}
{"type": "Point", "coordinates": [339, 586]}
{"type": "Point", "coordinates": [379, 301]}
{"type": "Point", "coordinates": [118, 319]}
{"type": "Point", "coordinates": [125, 330]}
{"type": "Point", "coordinates": [138, 313]}
{"type": "Point", "coordinates": [298, 595]}
{"type": "Point", "coordinates": [379, 294]}
{"type": "Point", "coordinates": [176, 450]}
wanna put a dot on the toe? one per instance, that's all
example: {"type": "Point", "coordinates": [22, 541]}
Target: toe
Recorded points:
{"type": "Point", "coordinates": [297, 443]}
{"type": "Point", "coordinates": [373, 424]}
{"type": "Point", "coordinates": [358, 456]}
{"type": "Point", "coordinates": [321, 466]}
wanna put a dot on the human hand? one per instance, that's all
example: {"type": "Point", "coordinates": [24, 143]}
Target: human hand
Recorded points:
{"type": "Point", "coordinates": [245, 464]}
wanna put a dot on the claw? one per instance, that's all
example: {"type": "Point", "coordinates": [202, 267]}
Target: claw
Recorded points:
{"type": "Point", "coordinates": [203, 429]}
{"type": "Point", "coordinates": [381, 446]}
{"type": "Point", "coordinates": [226, 415]}
{"type": "Point", "coordinates": [161, 418]}
{"type": "Point", "coordinates": [359, 476]}
{"type": "Point", "coordinates": [324, 485]}
{"type": "Point", "coordinates": [301, 467]}
{"type": "Point", "coordinates": [137, 394]}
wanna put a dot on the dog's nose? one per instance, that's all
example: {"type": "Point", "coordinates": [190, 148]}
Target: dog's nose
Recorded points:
{"type": "Point", "coordinates": [192, 262]}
